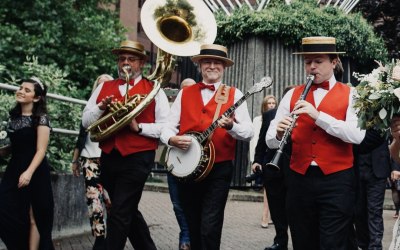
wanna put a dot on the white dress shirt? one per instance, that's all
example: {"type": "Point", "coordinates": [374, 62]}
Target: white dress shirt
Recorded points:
{"type": "Point", "coordinates": [347, 130]}
{"type": "Point", "coordinates": [92, 113]}
{"type": "Point", "coordinates": [242, 126]}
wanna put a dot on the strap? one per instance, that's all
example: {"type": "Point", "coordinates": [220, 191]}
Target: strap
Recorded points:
{"type": "Point", "coordinates": [221, 97]}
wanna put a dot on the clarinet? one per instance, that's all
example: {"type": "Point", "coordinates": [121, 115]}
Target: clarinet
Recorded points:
{"type": "Point", "coordinates": [274, 162]}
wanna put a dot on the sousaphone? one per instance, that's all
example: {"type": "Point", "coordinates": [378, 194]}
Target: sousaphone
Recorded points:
{"type": "Point", "coordinates": [177, 28]}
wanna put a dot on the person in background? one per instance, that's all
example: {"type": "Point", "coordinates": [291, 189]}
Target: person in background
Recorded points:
{"type": "Point", "coordinates": [195, 106]}
{"type": "Point", "coordinates": [184, 238]}
{"type": "Point", "coordinates": [187, 82]}
{"type": "Point", "coordinates": [395, 187]}
{"type": "Point", "coordinates": [128, 155]}
{"type": "Point", "coordinates": [374, 169]}
{"type": "Point", "coordinates": [26, 197]}
{"type": "Point", "coordinates": [394, 149]}
{"type": "Point", "coordinates": [87, 155]}
{"type": "Point", "coordinates": [269, 102]}
{"type": "Point", "coordinates": [321, 188]}
{"type": "Point", "coordinates": [274, 181]}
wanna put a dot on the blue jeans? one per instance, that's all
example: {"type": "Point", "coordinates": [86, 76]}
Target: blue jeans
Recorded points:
{"type": "Point", "coordinates": [180, 216]}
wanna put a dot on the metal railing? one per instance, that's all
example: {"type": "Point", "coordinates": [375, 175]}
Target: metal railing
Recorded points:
{"type": "Point", "coordinates": [56, 97]}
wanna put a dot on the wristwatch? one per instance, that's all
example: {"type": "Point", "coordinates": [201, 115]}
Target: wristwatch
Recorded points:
{"type": "Point", "coordinates": [140, 128]}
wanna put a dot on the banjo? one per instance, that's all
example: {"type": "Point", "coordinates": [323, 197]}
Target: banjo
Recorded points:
{"type": "Point", "coordinates": [196, 162]}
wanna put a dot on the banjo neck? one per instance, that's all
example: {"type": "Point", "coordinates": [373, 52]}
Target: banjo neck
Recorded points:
{"type": "Point", "coordinates": [203, 136]}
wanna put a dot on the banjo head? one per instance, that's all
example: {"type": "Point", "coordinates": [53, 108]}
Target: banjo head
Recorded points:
{"type": "Point", "coordinates": [184, 162]}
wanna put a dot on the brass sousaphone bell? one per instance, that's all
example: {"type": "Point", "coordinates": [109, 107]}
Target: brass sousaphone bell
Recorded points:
{"type": "Point", "coordinates": [177, 28]}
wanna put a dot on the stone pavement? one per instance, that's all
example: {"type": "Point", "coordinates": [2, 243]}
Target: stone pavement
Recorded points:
{"type": "Point", "coordinates": [241, 229]}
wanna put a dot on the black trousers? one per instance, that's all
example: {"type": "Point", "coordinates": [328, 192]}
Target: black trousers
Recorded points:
{"type": "Point", "coordinates": [276, 194]}
{"type": "Point", "coordinates": [124, 177]}
{"type": "Point", "coordinates": [204, 204]}
{"type": "Point", "coordinates": [369, 210]}
{"type": "Point", "coordinates": [320, 209]}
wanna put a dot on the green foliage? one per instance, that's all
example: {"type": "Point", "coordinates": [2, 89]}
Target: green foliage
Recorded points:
{"type": "Point", "coordinates": [290, 23]}
{"type": "Point", "coordinates": [62, 115]}
{"type": "Point", "coordinates": [384, 16]}
{"type": "Point", "coordinates": [180, 8]}
{"type": "Point", "coordinates": [77, 36]}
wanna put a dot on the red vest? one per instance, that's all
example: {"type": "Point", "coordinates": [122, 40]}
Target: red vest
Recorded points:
{"type": "Point", "coordinates": [125, 140]}
{"type": "Point", "coordinates": [197, 117]}
{"type": "Point", "coordinates": [312, 143]}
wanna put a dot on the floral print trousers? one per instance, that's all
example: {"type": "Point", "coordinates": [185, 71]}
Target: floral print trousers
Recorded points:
{"type": "Point", "coordinates": [97, 198]}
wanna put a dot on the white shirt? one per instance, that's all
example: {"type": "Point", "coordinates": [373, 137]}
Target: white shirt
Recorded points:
{"type": "Point", "coordinates": [92, 113]}
{"type": "Point", "coordinates": [347, 130]}
{"type": "Point", "coordinates": [257, 122]}
{"type": "Point", "coordinates": [91, 149]}
{"type": "Point", "coordinates": [242, 127]}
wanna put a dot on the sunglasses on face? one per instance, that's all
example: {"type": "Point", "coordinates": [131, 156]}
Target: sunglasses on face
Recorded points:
{"type": "Point", "coordinates": [130, 59]}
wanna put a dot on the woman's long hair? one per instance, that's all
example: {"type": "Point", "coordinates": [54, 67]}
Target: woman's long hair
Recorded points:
{"type": "Point", "coordinates": [264, 104]}
{"type": "Point", "coordinates": [39, 107]}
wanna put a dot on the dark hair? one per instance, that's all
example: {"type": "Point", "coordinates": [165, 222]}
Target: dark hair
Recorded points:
{"type": "Point", "coordinates": [287, 89]}
{"type": "Point", "coordinates": [39, 107]}
{"type": "Point", "coordinates": [338, 70]}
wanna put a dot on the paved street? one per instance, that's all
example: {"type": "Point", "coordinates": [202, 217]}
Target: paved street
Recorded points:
{"type": "Point", "coordinates": [241, 228]}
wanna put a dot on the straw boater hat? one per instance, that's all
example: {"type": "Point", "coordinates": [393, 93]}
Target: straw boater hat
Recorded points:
{"type": "Point", "coordinates": [318, 45]}
{"type": "Point", "coordinates": [213, 51]}
{"type": "Point", "coordinates": [131, 47]}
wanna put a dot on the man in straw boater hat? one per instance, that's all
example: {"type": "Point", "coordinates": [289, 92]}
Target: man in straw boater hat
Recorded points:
{"type": "Point", "coordinates": [321, 181]}
{"type": "Point", "coordinates": [128, 156]}
{"type": "Point", "coordinates": [193, 110]}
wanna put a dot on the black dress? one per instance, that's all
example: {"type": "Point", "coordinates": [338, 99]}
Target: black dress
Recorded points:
{"type": "Point", "coordinates": [15, 202]}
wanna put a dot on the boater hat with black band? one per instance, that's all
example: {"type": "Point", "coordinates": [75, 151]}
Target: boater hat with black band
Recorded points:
{"type": "Point", "coordinates": [318, 45]}
{"type": "Point", "coordinates": [131, 47]}
{"type": "Point", "coordinates": [213, 51]}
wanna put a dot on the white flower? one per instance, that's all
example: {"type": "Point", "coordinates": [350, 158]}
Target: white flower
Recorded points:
{"type": "Point", "coordinates": [396, 92]}
{"type": "Point", "coordinates": [374, 96]}
{"type": "Point", "coordinates": [3, 134]}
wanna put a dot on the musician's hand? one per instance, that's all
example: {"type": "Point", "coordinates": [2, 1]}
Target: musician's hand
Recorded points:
{"type": "Point", "coordinates": [104, 103]}
{"type": "Point", "coordinates": [395, 127]}
{"type": "Point", "coordinates": [180, 141]}
{"type": "Point", "coordinates": [134, 126]}
{"type": "Point", "coordinates": [226, 122]}
{"type": "Point", "coordinates": [304, 107]}
{"type": "Point", "coordinates": [256, 167]}
{"type": "Point", "coordinates": [282, 126]}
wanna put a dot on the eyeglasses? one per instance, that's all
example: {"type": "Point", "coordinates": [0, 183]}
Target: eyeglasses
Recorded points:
{"type": "Point", "coordinates": [130, 59]}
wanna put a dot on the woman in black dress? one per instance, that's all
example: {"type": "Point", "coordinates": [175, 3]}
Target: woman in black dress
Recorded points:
{"type": "Point", "coordinates": [26, 198]}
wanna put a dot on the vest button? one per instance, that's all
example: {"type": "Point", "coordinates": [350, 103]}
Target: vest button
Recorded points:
{"type": "Point", "coordinates": [204, 111]}
{"type": "Point", "coordinates": [313, 142]}
{"type": "Point", "coordinates": [314, 156]}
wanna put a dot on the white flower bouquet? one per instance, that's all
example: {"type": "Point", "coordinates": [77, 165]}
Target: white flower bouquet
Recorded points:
{"type": "Point", "coordinates": [378, 96]}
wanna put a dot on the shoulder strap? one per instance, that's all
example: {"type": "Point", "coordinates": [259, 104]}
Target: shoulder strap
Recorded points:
{"type": "Point", "coordinates": [221, 97]}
